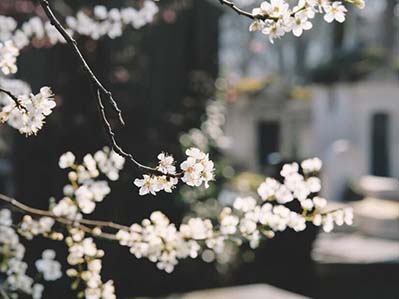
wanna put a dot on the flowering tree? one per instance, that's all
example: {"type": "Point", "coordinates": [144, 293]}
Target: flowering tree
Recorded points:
{"type": "Point", "coordinates": [250, 219]}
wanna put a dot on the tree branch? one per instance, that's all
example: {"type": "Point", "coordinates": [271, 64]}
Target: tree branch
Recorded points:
{"type": "Point", "coordinates": [83, 223]}
{"type": "Point", "coordinates": [238, 10]}
{"type": "Point", "coordinates": [118, 149]}
{"type": "Point", "coordinates": [13, 97]}
{"type": "Point", "coordinates": [72, 43]}
{"type": "Point", "coordinates": [99, 91]}
{"type": "Point", "coordinates": [250, 15]}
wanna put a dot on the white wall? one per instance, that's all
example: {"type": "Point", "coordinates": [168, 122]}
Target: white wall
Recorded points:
{"type": "Point", "coordinates": [345, 113]}
{"type": "Point", "coordinates": [334, 125]}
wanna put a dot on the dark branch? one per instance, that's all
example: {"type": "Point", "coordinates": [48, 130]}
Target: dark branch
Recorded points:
{"type": "Point", "coordinates": [14, 98]}
{"type": "Point", "coordinates": [118, 149]}
{"type": "Point", "coordinates": [99, 91]}
{"type": "Point", "coordinates": [249, 15]}
{"type": "Point", "coordinates": [238, 10]}
{"type": "Point", "coordinates": [72, 43]}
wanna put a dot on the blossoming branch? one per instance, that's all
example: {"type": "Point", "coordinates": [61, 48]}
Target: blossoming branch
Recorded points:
{"type": "Point", "coordinates": [275, 18]}
{"type": "Point", "coordinates": [249, 219]}
{"type": "Point", "coordinates": [94, 23]}
{"type": "Point", "coordinates": [26, 113]}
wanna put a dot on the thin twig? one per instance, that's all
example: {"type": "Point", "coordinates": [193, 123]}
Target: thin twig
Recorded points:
{"type": "Point", "coordinates": [99, 91]}
{"type": "Point", "coordinates": [238, 10]}
{"type": "Point", "coordinates": [72, 43]}
{"type": "Point", "coordinates": [14, 98]}
{"type": "Point", "coordinates": [118, 149]}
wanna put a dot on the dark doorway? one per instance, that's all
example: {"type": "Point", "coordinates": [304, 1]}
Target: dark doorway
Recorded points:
{"type": "Point", "coordinates": [380, 124]}
{"type": "Point", "coordinates": [269, 144]}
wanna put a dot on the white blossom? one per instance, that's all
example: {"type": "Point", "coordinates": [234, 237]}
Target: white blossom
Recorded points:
{"type": "Point", "coordinates": [307, 204]}
{"type": "Point", "coordinates": [197, 229]}
{"type": "Point", "coordinates": [319, 202]}
{"type": "Point", "coordinates": [284, 195]}
{"type": "Point", "coordinates": [147, 184]}
{"type": "Point", "coordinates": [228, 222]}
{"type": "Point", "coordinates": [336, 11]}
{"type": "Point", "coordinates": [66, 160]}
{"type": "Point", "coordinates": [289, 170]}
{"type": "Point", "coordinates": [275, 8]}
{"type": "Point", "coordinates": [267, 190]}
{"type": "Point", "coordinates": [313, 184]}
{"type": "Point", "coordinates": [48, 266]}
{"type": "Point", "coordinates": [197, 169]}
{"type": "Point", "coordinates": [166, 164]}
{"type": "Point", "coordinates": [66, 208]}
{"type": "Point", "coordinates": [12, 253]}
{"type": "Point", "coordinates": [317, 220]}
{"type": "Point", "coordinates": [311, 165]}
{"type": "Point", "coordinates": [109, 163]}
{"type": "Point", "coordinates": [274, 30]}
{"type": "Point", "coordinates": [245, 204]}
{"type": "Point", "coordinates": [37, 291]}
{"type": "Point", "coordinates": [8, 57]}
{"type": "Point", "coordinates": [30, 227]}
{"type": "Point", "coordinates": [300, 23]}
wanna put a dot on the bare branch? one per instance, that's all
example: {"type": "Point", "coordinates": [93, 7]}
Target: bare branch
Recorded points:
{"type": "Point", "coordinates": [118, 149]}
{"type": "Point", "coordinates": [72, 43]}
{"type": "Point", "coordinates": [99, 91]}
{"type": "Point", "coordinates": [238, 10]}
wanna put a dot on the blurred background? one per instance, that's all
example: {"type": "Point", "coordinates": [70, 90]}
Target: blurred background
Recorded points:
{"type": "Point", "coordinates": [197, 77]}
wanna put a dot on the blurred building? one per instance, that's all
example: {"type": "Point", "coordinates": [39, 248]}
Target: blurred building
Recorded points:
{"type": "Point", "coordinates": [347, 113]}
{"type": "Point", "coordinates": [351, 127]}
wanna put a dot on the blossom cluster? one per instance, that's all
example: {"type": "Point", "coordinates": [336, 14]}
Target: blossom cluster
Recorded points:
{"type": "Point", "coordinates": [80, 197]}
{"type": "Point", "coordinates": [197, 170]}
{"type": "Point", "coordinates": [86, 257]}
{"type": "Point", "coordinates": [8, 57]}
{"type": "Point", "coordinates": [12, 253]}
{"type": "Point", "coordinates": [96, 24]}
{"type": "Point", "coordinates": [158, 240]}
{"type": "Point", "coordinates": [27, 113]}
{"type": "Point", "coordinates": [30, 227]}
{"type": "Point", "coordinates": [250, 219]}
{"type": "Point", "coordinates": [275, 17]}
{"type": "Point", "coordinates": [84, 191]}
